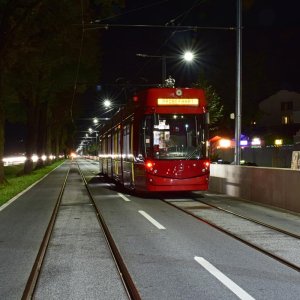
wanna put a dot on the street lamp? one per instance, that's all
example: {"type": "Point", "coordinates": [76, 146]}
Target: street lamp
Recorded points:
{"type": "Point", "coordinates": [107, 103]}
{"type": "Point", "coordinates": [187, 56]}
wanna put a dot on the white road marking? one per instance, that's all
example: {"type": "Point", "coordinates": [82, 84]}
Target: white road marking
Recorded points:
{"type": "Point", "coordinates": [223, 278]}
{"type": "Point", "coordinates": [3, 206]}
{"type": "Point", "coordinates": [149, 218]}
{"type": "Point", "coordinates": [124, 197]}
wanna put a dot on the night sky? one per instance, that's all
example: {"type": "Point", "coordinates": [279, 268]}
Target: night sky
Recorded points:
{"type": "Point", "coordinates": [270, 30]}
{"type": "Point", "coordinates": [271, 49]}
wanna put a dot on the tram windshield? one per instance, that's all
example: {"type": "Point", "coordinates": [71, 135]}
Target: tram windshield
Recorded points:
{"type": "Point", "coordinates": [174, 136]}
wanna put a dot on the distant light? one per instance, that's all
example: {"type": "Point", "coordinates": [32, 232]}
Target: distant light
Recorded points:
{"type": "Point", "coordinates": [278, 142]}
{"type": "Point", "coordinates": [95, 120]}
{"type": "Point", "coordinates": [224, 143]}
{"type": "Point", "coordinates": [90, 130]}
{"type": "Point", "coordinates": [34, 158]}
{"type": "Point", "coordinates": [188, 56]}
{"type": "Point", "coordinates": [13, 160]}
{"type": "Point", "coordinates": [73, 155]}
{"type": "Point", "coordinates": [244, 143]}
{"type": "Point", "coordinates": [256, 141]}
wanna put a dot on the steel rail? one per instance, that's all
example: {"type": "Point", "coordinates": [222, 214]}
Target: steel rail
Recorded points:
{"type": "Point", "coordinates": [278, 258]}
{"type": "Point", "coordinates": [35, 271]}
{"type": "Point", "coordinates": [294, 235]}
{"type": "Point", "coordinates": [127, 281]}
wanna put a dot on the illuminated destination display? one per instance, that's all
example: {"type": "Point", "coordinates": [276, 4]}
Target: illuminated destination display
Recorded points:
{"type": "Point", "coordinates": [178, 101]}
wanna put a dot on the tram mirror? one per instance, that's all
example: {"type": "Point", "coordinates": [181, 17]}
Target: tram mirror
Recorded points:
{"type": "Point", "coordinates": [156, 119]}
{"type": "Point", "coordinates": [140, 157]}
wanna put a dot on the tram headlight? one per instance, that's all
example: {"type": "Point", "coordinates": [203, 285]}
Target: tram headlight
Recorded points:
{"type": "Point", "coordinates": [149, 165]}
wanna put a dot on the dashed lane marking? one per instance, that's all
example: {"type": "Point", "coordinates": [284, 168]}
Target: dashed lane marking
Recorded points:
{"type": "Point", "coordinates": [223, 278]}
{"type": "Point", "coordinates": [150, 219]}
{"type": "Point", "coordinates": [124, 197]}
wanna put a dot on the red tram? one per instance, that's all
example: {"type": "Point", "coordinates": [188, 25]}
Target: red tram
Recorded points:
{"type": "Point", "coordinates": [158, 142]}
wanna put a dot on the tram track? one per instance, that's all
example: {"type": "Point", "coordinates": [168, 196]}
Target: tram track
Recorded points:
{"type": "Point", "coordinates": [124, 273]}
{"type": "Point", "coordinates": [297, 236]}
{"type": "Point", "coordinates": [196, 205]}
{"type": "Point", "coordinates": [34, 274]}
{"type": "Point", "coordinates": [193, 209]}
{"type": "Point", "coordinates": [37, 269]}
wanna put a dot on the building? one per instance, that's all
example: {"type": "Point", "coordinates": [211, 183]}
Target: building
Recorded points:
{"type": "Point", "coordinates": [280, 117]}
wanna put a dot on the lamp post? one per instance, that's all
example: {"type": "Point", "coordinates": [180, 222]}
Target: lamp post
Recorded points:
{"type": "Point", "coordinates": [187, 56]}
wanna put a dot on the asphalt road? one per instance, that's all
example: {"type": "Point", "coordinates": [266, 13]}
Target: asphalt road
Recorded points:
{"type": "Point", "coordinates": [22, 227]}
{"type": "Point", "coordinates": [186, 258]}
{"type": "Point", "coordinates": [169, 254]}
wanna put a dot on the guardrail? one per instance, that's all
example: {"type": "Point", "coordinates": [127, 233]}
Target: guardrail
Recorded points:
{"type": "Point", "coordinates": [272, 186]}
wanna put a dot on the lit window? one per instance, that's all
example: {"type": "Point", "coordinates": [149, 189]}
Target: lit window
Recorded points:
{"type": "Point", "coordinates": [286, 120]}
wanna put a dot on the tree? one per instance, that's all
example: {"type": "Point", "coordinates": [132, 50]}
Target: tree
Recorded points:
{"type": "Point", "coordinates": [214, 105]}
{"type": "Point", "coordinates": [13, 14]}
{"type": "Point", "coordinates": [40, 45]}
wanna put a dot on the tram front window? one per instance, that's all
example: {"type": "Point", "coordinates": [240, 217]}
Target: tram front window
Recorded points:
{"type": "Point", "coordinates": [177, 136]}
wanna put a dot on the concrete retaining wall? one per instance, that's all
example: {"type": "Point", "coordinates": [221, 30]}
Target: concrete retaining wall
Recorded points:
{"type": "Point", "coordinates": [272, 186]}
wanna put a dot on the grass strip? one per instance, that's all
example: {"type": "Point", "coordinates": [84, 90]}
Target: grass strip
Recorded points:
{"type": "Point", "coordinates": [16, 184]}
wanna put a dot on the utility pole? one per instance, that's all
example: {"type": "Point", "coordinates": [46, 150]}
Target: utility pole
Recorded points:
{"type": "Point", "coordinates": [238, 105]}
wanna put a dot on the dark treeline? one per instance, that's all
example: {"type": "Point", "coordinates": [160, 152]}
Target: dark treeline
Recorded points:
{"type": "Point", "coordinates": [46, 62]}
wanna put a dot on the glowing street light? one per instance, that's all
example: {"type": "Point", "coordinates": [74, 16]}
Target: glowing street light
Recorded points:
{"type": "Point", "coordinates": [107, 103]}
{"type": "Point", "coordinates": [187, 56]}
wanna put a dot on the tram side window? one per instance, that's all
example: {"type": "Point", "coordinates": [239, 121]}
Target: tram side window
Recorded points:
{"type": "Point", "coordinates": [146, 137]}
{"type": "Point", "coordinates": [101, 146]}
{"type": "Point", "coordinates": [116, 143]}
{"type": "Point", "coordinates": [126, 141]}
{"type": "Point", "coordinates": [109, 144]}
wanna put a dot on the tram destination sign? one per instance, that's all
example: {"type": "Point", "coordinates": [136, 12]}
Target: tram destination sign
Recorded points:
{"type": "Point", "coordinates": [178, 101]}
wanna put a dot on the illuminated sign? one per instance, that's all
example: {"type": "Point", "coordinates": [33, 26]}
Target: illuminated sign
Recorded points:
{"type": "Point", "coordinates": [178, 101]}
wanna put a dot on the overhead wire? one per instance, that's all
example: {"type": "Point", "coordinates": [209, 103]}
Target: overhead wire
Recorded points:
{"type": "Point", "coordinates": [132, 10]}
{"type": "Point", "coordinates": [78, 61]}
{"type": "Point", "coordinates": [177, 27]}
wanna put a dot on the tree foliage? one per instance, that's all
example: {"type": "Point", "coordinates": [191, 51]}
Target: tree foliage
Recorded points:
{"type": "Point", "coordinates": [46, 61]}
{"type": "Point", "coordinates": [214, 104]}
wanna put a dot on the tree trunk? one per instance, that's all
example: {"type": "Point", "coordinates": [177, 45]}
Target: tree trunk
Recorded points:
{"type": "Point", "coordinates": [32, 133]}
{"type": "Point", "coordinates": [2, 122]}
{"type": "Point", "coordinates": [42, 134]}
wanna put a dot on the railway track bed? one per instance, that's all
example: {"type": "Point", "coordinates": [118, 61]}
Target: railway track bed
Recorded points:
{"type": "Point", "coordinates": [276, 242]}
{"type": "Point", "coordinates": [75, 259]}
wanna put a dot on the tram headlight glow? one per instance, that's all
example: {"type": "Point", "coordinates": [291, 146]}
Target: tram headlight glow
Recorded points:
{"type": "Point", "coordinates": [149, 164]}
